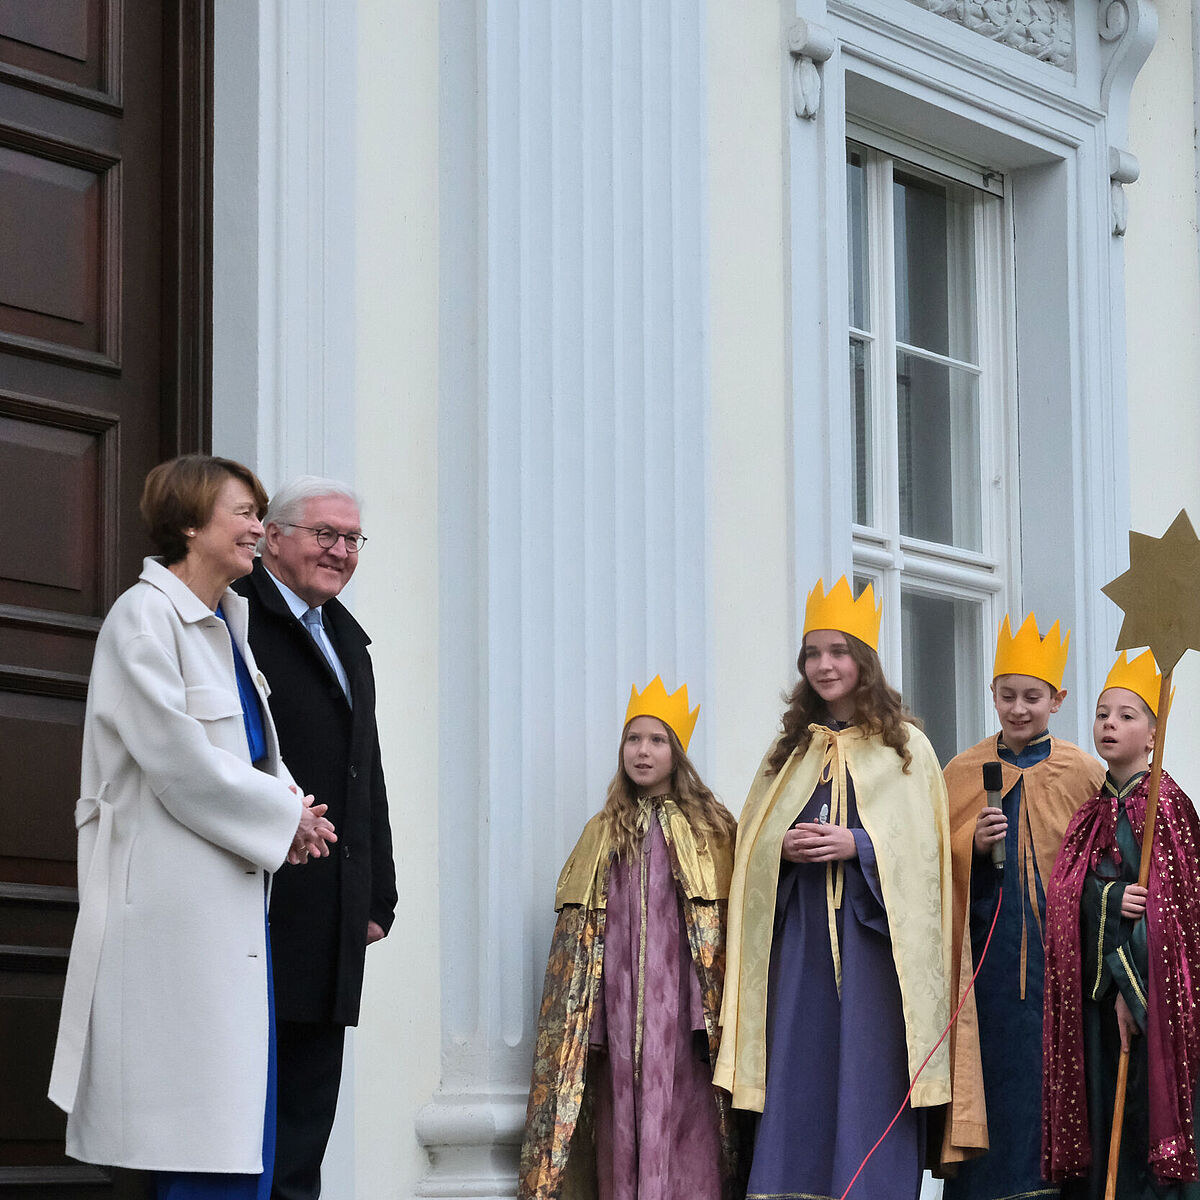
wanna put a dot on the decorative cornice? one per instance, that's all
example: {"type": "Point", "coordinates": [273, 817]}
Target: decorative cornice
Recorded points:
{"type": "Point", "coordinates": [1043, 29]}
{"type": "Point", "coordinates": [1034, 87]}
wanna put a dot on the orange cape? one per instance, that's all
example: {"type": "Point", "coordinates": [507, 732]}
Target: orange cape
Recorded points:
{"type": "Point", "coordinates": [1051, 791]}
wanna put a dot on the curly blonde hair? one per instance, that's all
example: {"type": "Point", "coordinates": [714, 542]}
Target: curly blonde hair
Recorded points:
{"type": "Point", "coordinates": [704, 812]}
{"type": "Point", "coordinates": [878, 709]}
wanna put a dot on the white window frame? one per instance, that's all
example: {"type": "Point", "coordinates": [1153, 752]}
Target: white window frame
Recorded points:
{"type": "Point", "coordinates": [897, 563]}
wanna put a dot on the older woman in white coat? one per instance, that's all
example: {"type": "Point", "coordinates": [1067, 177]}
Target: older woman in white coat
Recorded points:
{"type": "Point", "coordinates": [164, 1059]}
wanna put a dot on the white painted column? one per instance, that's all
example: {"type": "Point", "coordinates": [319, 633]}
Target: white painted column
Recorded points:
{"type": "Point", "coordinates": [573, 479]}
{"type": "Point", "coordinates": [284, 236]}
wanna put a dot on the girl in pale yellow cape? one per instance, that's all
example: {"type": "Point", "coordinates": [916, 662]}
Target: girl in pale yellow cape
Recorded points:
{"type": "Point", "coordinates": [621, 1104]}
{"type": "Point", "coordinates": [839, 926]}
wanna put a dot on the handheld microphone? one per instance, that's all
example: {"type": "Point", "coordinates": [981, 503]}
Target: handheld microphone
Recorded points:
{"type": "Point", "coordinates": [993, 784]}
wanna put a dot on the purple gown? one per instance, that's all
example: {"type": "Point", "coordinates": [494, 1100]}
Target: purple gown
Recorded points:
{"type": "Point", "coordinates": [656, 1132]}
{"type": "Point", "coordinates": [837, 1069]}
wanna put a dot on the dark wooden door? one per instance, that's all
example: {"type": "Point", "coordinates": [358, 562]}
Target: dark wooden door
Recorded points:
{"type": "Point", "coordinates": [104, 280]}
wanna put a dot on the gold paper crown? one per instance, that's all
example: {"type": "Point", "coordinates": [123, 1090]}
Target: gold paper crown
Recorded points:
{"type": "Point", "coordinates": [671, 710]}
{"type": "Point", "coordinates": [1028, 654]}
{"type": "Point", "coordinates": [838, 610]}
{"type": "Point", "coordinates": [1141, 677]}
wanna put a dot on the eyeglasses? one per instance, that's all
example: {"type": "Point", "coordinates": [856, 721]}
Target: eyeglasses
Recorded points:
{"type": "Point", "coordinates": [328, 538]}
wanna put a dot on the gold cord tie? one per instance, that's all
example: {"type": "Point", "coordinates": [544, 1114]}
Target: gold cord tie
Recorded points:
{"type": "Point", "coordinates": [1028, 882]}
{"type": "Point", "coordinates": [833, 772]}
{"type": "Point", "coordinates": [644, 817]}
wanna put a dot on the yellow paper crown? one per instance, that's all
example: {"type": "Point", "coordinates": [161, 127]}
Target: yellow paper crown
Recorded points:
{"type": "Point", "coordinates": [1141, 676]}
{"type": "Point", "coordinates": [1029, 654]}
{"type": "Point", "coordinates": [671, 710]}
{"type": "Point", "coordinates": [838, 610]}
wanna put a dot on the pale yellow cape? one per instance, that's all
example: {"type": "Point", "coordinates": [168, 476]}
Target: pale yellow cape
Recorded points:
{"type": "Point", "coordinates": [907, 819]}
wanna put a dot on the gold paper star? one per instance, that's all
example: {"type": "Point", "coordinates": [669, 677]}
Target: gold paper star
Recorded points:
{"type": "Point", "coordinates": [1160, 593]}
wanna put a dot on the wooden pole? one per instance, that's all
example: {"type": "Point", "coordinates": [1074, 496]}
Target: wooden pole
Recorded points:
{"type": "Point", "coordinates": [1156, 761]}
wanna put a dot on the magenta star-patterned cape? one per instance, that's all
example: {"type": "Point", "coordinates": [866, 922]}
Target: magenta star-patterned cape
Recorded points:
{"type": "Point", "coordinates": [1172, 1023]}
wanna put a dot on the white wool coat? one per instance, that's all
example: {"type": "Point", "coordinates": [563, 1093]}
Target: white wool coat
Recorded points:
{"type": "Point", "coordinates": [161, 1059]}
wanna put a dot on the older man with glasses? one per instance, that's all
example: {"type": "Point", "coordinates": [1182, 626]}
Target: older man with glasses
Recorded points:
{"type": "Point", "coordinates": [314, 655]}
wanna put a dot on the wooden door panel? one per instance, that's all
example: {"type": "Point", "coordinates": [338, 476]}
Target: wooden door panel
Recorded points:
{"type": "Point", "coordinates": [40, 741]}
{"type": "Point", "coordinates": [105, 158]}
{"type": "Point", "coordinates": [60, 459]}
{"type": "Point", "coordinates": [61, 247]}
{"type": "Point", "coordinates": [71, 47]}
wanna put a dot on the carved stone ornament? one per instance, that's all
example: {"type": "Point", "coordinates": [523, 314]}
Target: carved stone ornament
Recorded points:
{"type": "Point", "coordinates": [1122, 169]}
{"type": "Point", "coordinates": [808, 44]}
{"type": "Point", "coordinates": [1043, 29]}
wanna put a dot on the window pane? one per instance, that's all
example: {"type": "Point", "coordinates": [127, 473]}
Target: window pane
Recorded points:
{"type": "Point", "coordinates": [856, 221]}
{"type": "Point", "coordinates": [937, 413]}
{"type": "Point", "coordinates": [864, 505]}
{"type": "Point", "coordinates": [941, 657]}
{"type": "Point", "coordinates": [935, 266]}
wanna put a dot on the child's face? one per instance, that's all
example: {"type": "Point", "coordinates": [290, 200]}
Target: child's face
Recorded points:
{"type": "Point", "coordinates": [646, 755]}
{"type": "Point", "coordinates": [1024, 705]}
{"type": "Point", "coordinates": [1123, 732]}
{"type": "Point", "coordinates": [831, 670]}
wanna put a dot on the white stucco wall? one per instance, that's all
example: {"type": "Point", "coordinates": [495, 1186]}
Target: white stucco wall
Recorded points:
{"type": "Point", "coordinates": [397, 1046]}
{"type": "Point", "coordinates": [753, 651]}
{"type": "Point", "coordinates": [397, 1055]}
{"type": "Point", "coordinates": [1163, 314]}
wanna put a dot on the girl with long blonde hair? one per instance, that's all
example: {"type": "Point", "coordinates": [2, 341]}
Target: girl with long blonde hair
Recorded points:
{"type": "Point", "coordinates": [621, 1105]}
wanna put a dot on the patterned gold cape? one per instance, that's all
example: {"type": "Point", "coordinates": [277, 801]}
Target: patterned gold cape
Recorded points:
{"type": "Point", "coordinates": [558, 1154]}
{"type": "Point", "coordinates": [906, 817]}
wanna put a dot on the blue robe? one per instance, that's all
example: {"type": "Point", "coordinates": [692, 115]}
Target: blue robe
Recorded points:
{"type": "Point", "coordinates": [1010, 1029]}
{"type": "Point", "coordinates": [837, 1068]}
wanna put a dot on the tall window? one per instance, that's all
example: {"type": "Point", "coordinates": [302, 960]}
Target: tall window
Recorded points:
{"type": "Point", "coordinates": [930, 349]}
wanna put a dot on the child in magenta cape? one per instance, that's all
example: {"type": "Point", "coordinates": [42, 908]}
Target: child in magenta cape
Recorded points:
{"type": "Point", "coordinates": [1122, 967]}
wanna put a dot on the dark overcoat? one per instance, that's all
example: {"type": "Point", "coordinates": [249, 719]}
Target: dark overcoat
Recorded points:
{"type": "Point", "coordinates": [320, 910]}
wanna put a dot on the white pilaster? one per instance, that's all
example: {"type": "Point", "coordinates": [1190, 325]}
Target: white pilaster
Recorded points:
{"type": "Point", "coordinates": [573, 477]}
{"type": "Point", "coordinates": [283, 236]}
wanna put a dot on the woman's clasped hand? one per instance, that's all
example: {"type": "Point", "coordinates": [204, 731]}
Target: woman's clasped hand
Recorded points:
{"type": "Point", "coordinates": [314, 834]}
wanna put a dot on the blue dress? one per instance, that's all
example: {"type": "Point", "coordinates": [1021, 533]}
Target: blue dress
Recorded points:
{"type": "Point", "coordinates": [837, 1066]}
{"type": "Point", "coordinates": [1010, 1028]}
{"type": "Point", "coordinates": [193, 1185]}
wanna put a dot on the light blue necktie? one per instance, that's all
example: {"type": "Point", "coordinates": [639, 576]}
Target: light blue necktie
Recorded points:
{"type": "Point", "coordinates": [311, 621]}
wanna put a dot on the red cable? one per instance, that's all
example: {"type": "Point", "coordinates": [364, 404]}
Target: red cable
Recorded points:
{"type": "Point", "coordinates": [940, 1040]}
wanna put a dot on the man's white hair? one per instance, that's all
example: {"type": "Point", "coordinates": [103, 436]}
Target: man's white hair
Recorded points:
{"type": "Point", "coordinates": [288, 502]}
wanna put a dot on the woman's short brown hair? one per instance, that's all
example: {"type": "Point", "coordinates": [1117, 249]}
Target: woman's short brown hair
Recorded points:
{"type": "Point", "coordinates": [180, 494]}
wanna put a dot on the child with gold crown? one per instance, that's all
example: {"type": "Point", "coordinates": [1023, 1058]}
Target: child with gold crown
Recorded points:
{"type": "Point", "coordinates": [837, 981]}
{"type": "Point", "coordinates": [1123, 968]}
{"type": "Point", "coordinates": [996, 1044]}
{"type": "Point", "coordinates": [621, 1105]}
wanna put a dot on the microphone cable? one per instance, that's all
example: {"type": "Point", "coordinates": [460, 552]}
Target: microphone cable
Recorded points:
{"type": "Point", "coordinates": [945, 1032]}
